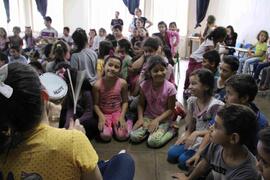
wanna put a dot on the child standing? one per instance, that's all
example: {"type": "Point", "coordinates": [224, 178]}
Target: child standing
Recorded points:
{"type": "Point", "coordinates": [16, 40]}
{"type": "Point", "coordinates": [201, 108]}
{"type": "Point", "coordinates": [97, 39]}
{"type": "Point", "coordinates": [259, 55]}
{"type": "Point", "coordinates": [154, 114]}
{"type": "Point", "coordinates": [111, 101]}
{"type": "Point", "coordinates": [229, 156]}
{"type": "Point", "coordinates": [195, 62]}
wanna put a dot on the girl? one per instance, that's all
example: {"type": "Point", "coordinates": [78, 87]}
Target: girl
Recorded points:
{"type": "Point", "coordinates": [143, 33]}
{"type": "Point", "coordinates": [135, 37]}
{"type": "Point", "coordinates": [195, 61]}
{"type": "Point", "coordinates": [201, 108]}
{"type": "Point", "coordinates": [105, 47]}
{"type": "Point", "coordinates": [97, 39]}
{"type": "Point", "coordinates": [168, 37]}
{"type": "Point", "coordinates": [154, 114]}
{"type": "Point", "coordinates": [26, 140]}
{"type": "Point", "coordinates": [111, 101]}
{"type": "Point", "coordinates": [3, 41]}
{"type": "Point", "coordinates": [124, 50]}
{"type": "Point", "coordinates": [259, 55]}
{"type": "Point", "coordinates": [230, 40]}
{"type": "Point", "coordinates": [29, 39]}
{"type": "Point", "coordinates": [60, 53]}
{"type": "Point", "coordinates": [263, 149]}
{"type": "Point", "coordinates": [138, 15]}
{"type": "Point", "coordinates": [16, 40]}
{"type": "Point", "coordinates": [92, 34]}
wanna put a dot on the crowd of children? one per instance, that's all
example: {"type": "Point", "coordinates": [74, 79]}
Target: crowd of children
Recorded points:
{"type": "Point", "coordinates": [128, 92]}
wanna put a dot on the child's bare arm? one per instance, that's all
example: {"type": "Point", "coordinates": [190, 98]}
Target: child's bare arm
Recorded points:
{"type": "Point", "coordinates": [124, 95]}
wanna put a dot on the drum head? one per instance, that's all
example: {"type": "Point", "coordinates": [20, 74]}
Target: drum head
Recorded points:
{"type": "Point", "coordinates": [55, 85]}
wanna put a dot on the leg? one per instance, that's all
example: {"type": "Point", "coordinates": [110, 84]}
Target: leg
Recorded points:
{"type": "Point", "coordinates": [174, 152]}
{"type": "Point", "coordinates": [160, 136]}
{"type": "Point", "coordinates": [106, 134]}
{"type": "Point", "coordinates": [248, 62]}
{"type": "Point", "coordinates": [119, 167]}
{"type": "Point", "coordinates": [241, 64]}
{"type": "Point", "coordinates": [121, 133]}
{"type": "Point", "coordinates": [184, 157]}
{"type": "Point", "coordinates": [258, 69]}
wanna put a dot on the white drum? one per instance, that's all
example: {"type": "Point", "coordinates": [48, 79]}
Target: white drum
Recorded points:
{"type": "Point", "coordinates": [56, 87]}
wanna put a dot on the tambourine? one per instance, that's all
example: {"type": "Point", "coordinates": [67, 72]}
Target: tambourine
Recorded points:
{"type": "Point", "coordinates": [56, 87]}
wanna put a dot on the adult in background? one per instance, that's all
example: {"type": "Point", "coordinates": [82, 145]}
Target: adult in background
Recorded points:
{"type": "Point", "coordinates": [116, 20]}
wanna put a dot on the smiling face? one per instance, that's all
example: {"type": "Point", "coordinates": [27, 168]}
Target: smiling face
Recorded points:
{"type": "Point", "coordinates": [112, 67]}
{"type": "Point", "coordinates": [263, 163]}
{"type": "Point", "coordinates": [158, 73]}
{"type": "Point", "coordinates": [196, 88]}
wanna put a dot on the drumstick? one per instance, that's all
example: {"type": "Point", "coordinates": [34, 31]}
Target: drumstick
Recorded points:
{"type": "Point", "coordinates": [73, 94]}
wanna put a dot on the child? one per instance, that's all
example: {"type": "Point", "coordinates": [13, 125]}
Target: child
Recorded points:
{"type": "Point", "coordinates": [29, 39]}
{"type": "Point", "coordinates": [259, 55]}
{"type": "Point", "coordinates": [16, 40]}
{"type": "Point", "coordinates": [135, 37]}
{"type": "Point", "coordinates": [66, 37]}
{"type": "Point", "coordinates": [263, 149]}
{"type": "Point", "coordinates": [26, 140]}
{"type": "Point", "coordinates": [169, 38]}
{"type": "Point", "coordinates": [105, 47]}
{"type": "Point", "coordinates": [195, 62]}
{"type": "Point", "coordinates": [201, 108]}
{"type": "Point", "coordinates": [229, 156]}
{"type": "Point", "coordinates": [230, 40]}
{"type": "Point", "coordinates": [210, 26]}
{"type": "Point", "coordinates": [3, 40]}
{"type": "Point", "coordinates": [228, 68]}
{"type": "Point", "coordinates": [138, 14]}
{"type": "Point", "coordinates": [97, 39]}
{"type": "Point", "coordinates": [124, 50]}
{"type": "Point", "coordinates": [117, 32]}
{"type": "Point", "coordinates": [242, 89]}
{"type": "Point", "coordinates": [265, 79]}
{"type": "Point", "coordinates": [92, 34]}
{"type": "Point", "coordinates": [211, 60]}
{"type": "Point", "coordinates": [173, 27]}
{"type": "Point", "coordinates": [15, 55]}
{"type": "Point", "coordinates": [60, 53]}
{"type": "Point", "coordinates": [3, 59]}
{"type": "Point", "coordinates": [154, 114]}
{"type": "Point", "coordinates": [111, 101]}
{"type": "Point", "coordinates": [49, 32]}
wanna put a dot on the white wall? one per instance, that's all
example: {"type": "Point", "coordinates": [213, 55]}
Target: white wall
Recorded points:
{"type": "Point", "coordinates": [247, 17]}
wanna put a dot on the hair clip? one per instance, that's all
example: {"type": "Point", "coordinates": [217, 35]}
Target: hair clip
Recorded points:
{"type": "Point", "coordinates": [58, 45]}
{"type": "Point", "coordinates": [5, 90]}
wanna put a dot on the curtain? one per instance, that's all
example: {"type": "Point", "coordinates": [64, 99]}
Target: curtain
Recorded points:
{"type": "Point", "coordinates": [202, 6]}
{"type": "Point", "coordinates": [132, 5]}
{"type": "Point", "coordinates": [42, 7]}
{"type": "Point", "coordinates": [6, 3]}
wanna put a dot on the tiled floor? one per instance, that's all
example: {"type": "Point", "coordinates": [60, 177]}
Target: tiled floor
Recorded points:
{"type": "Point", "coordinates": [151, 164]}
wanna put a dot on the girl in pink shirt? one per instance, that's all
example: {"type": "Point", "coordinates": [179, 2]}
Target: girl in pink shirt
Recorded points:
{"type": "Point", "coordinates": [157, 101]}
{"type": "Point", "coordinates": [111, 101]}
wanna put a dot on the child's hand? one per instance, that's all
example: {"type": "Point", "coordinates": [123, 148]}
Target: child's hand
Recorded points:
{"type": "Point", "coordinates": [193, 161]}
{"type": "Point", "coordinates": [76, 125]}
{"type": "Point", "coordinates": [179, 176]}
{"type": "Point", "coordinates": [153, 126]}
{"type": "Point", "coordinates": [191, 139]}
{"type": "Point", "coordinates": [101, 123]}
{"type": "Point", "coordinates": [138, 124]}
{"type": "Point", "coordinates": [122, 123]}
{"type": "Point", "coordinates": [182, 139]}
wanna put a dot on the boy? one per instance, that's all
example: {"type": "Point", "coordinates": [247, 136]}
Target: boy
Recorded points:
{"type": "Point", "coordinates": [117, 32]}
{"type": "Point", "coordinates": [66, 37]}
{"type": "Point", "coordinates": [49, 31]}
{"type": "Point", "coordinates": [211, 60]}
{"type": "Point", "coordinates": [229, 156]}
{"type": "Point", "coordinates": [16, 40]}
{"type": "Point", "coordinates": [15, 55]}
{"type": "Point", "coordinates": [242, 89]}
{"type": "Point", "coordinates": [3, 59]}
{"type": "Point", "coordinates": [227, 68]}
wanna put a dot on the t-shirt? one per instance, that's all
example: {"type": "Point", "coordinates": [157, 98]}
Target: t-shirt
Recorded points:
{"type": "Point", "coordinates": [20, 59]}
{"type": "Point", "coordinates": [96, 42]}
{"type": "Point", "coordinates": [86, 59]}
{"type": "Point", "coordinates": [203, 117]}
{"type": "Point", "coordinates": [49, 153]}
{"type": "Point", "coordinates": [49, 32]}
{"type": "Point", "coordinates": [117, 22]}
{"type": "Point", "coordinates": [156, 99]}
{"type": "Point", "coordinates": [260, 48]}
{"type": "Point", "coordinates": [203, 48]}
{"type": "Point", "coordinates": [221, 171]}
{"type": "Point", "coordinates": [68, 39]}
